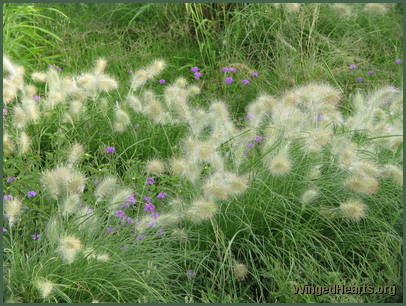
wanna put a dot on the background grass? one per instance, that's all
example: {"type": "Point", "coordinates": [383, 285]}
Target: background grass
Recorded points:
{"type": "Point", "coordinates": [282, 242]}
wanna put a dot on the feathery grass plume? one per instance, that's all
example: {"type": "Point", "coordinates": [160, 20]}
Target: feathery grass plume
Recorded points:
{"type": "Point", "coordinates": [168, 219]}
{"type": "Point", "coordinates": [103, 257]}
{"type": "Point", "coordinates": [179, 233]}
{"type": "Point", "coordinates": [177, 206]}
{"type": "Point", "coordinates": [143, 224]}
{"type": "Point", "coordinates": [203, 150]}
{"type": "Point", "coordinates": [106, 187]}
{"type": "Point", "coordinates": [156, 68]}
{"type": "Point", "coordinates": [89, 253]}
{"type": "Point", "coordinates": [376, 8]}
{"type": "Point", "coordinates": [31, 110]}
{"type": "Point", "coordinates": [134, 103]}
{"type": "Point", "coordinates": [7, 143]}
{"type": "Point", "coordinates": [39, 77]}
{"type": "Point", "coordinates": [362, 184]}
{"type": "Point", "coordinates": [29, 91]}
{"type": "Point", "coordinates": [237, 184]}
{"type": "Point", "coordinates": [63, 180]}
{"type": "Point", "coordinates": [100, 66]}
{"type": "Point", "coordinates": [178, 166]}
{"type": "Point", "coordinates": [346, 152]}
{"type": "Point", "coordinates": [122, 120]}
{"type": "Point", "coordinates": [155, 166]}
{"type": "Point", "coordinates": [119, 197]}
{"type": "Point", "coordinates": [75, 153]}
{"type": "Point", "coordinates": [353, 209]}
{"type": "Point", "coordinates": [20, 118]}
{"type": "Point", "coordinates": [53, 229]}
{"type": "Point", "coordinates": [69, 247]}
{"type": "Point", "coordinates": [316, 139]}
{"type": "Point", "coordinates": [45, 287]}
{"type": "Point", "coordinates": [314, 173]}
{"type": "Point", "coordinates": [280, 164]}
{"type": "Point", "coordinates": [215, 187]}
{"type": "Point", "coordinates": [76, 108]}
{"type": "Point", "coordinates": [193, 90]}
{"type": "Point", "coordinates": [240, 271]}
{"type": "Point", "coordinates": [87, 220]}
{"type": "Point", "coordinates": [24, 143]}
{"type": "Point", "coordinates": [366, 168]}
{"type": "Point", "coordinates": [70, 205]}
{"type": "Point", "coordinates": [310, 195]}
{"type": "Point", "coordinates": [259, 109]}
{"type": "Point", "coordinates": [13, 209]}
{"type": "Point", "coordinates": [201, 210]}
{"type": "Point", "coordinates": [393, 172]}
{"type": "Point", "coordinates": [140, 77]}
{"type": "Point", "coordinates": [343, 9]}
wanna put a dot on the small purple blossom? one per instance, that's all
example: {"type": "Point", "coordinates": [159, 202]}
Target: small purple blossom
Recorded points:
{"type": "Point", "coordinates": [162, 81]}
{"type": "Point", "coordinates": [130, 201]}
{"type": "Point", "coordinates": [232, 69]}
{"type": "Point", "coordinates": [161, 195]}
{"type": "Point", "coordinates": [130, 71]}
{"type": "Point", "coordinates": [360, 79]}
{"type": "Point", "coordinates": [149, 207]}
{"type": "Point", "coordinates": [254, 74]}
{"type": "Point", "coordinates": [258, 139]}
{"type": "Point", "coordinates": [249, 145]}
{"type": "Point", "coordinates": [190, 274]}
{"type": "Point", "coordinates": [240, 118]}
{"type": "Point", "coordinates": [31, 193]}
{"type": "Point", "coordinates": [35, 236]}
{"type": "Point", "coordinates": [124, 246]}
{"type": "Point", "coordinates": [225, 69]}
{"type": "Point", "coordinates": [161, 231]}
{"type": "Point", "coordinates": [120, 214]}
{"type": "Point", "coordinates": [7, 197]}
{"type": "Point", "coordinates": [11, 179]}
{"type": "Point", "coordinates": [110, 149]}
{"type": "Point", "coordinates": [36, 98]}
{"type": "Point", "coordinates": [197, 75]}
{"type": "Point", "coordinates": [109, 228]}
{"type": "Point", "coordinates": [245, 81]}
{"type": "Point", "coordinates": [352, 66]}
{"type": "Point", "coordinates": [320, 117]}
{"type": "Point", "coordinates": [370, 72]}
{"type": "Point", "coordinates": [5, 111]}
{"type": "Point", "coordinates": [147, 199]}
{"type": "Point", "coordinates": [398, 60]}
{"type": "Point", "coordinates": [129, 220]}
{"type": "Point", "coordinates": [150, 181]}
{"type": "Point", "coordinates": [140, 237]}
{"type": "Point", "coordinates": [5, 230]}
{"type": "Point", "coordinates": [228, 80]}
{"type": "Point", "coordinates": [250, 116]}
{"type": "Point", "coordinates": [194, 69]}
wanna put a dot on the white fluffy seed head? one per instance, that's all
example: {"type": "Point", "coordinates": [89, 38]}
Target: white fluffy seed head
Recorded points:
{"type": "Point", "coordinates": [376, 8]}
{"type": "Point", "coordinates": [119, 197]}
{"type": "Point", "coordinates": [69, 247]}
{"type": "Point", "coordinates": [178, 166]}
{"type": "Point", "coordinates": [393, 172]}
{"type": "Point", "coordinates": [45, 287]}
{"type": "Point", "coordinates": [134, 103]}
{"type": "Point", "coordinates": [106, 187]}
{"type": "Point", "coordinates": [280, 164]}
{"type": "Point", "coordinates": [201, 210]}
{"type": "Point", "coordinates": [362, 184]}
{"type": "Point", "coordinates": [20, 117]}
{"type": "Point", "coordinates": [155, 166]}
{"type": "Point", "coordinates": [100, 66]}
{"type": "Point", "coordinates": [13, 209]}
{"type": "Point", "coordinates": [103, 257]}
{"type": "Point", "coordinates": [24, 143]}
{"type": "Point", "coordinates": [8, 143]}
{"type": "Point", "coordinates": [310, 195]}
{"type": "Point", "coordinates": [240, 271]}
{"type": "Point", "coordinates": [39, 77]}
{"type": "Point", "coordinates": [70, 205]}
{"type": "Point", "coordinates": [353, 209]}
{"type": "Point", "coordinates": [75, 153]}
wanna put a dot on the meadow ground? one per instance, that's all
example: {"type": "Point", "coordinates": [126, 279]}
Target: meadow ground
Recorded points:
{"type": "Point", "coordinates": [128, 183]}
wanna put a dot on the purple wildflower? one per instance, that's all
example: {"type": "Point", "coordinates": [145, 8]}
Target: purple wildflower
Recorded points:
{"type": "Point", "coordinates": [226, 69]}
{"type": "Point", "coordinates": [129, 220]}
{"type": "Point", "coordinates": [147, 199]}
{"type": "Point", "coordinates": [232, 69]}
{"type": "Point", "coordinates": [149, 207]}
{"type": "Point", "coordinates": [250, 116]}
{"type": "Point", "coordinates": [245, 81]}
{"type": "Point", "coordinates": [58, 68]}
{"type": "Point", "coordinates": [110, 149]}
{"type": "Point", "coordinates": [35, 236]}
{"type": "Point", "coordinates": [194, 69]}
{"type": "Point", "coordinates": [140, 237]}
{"type": "Point", "coordinates": [36, 98]}
{"type": "Point", "coordinates": [254, 74]}
{"type": "Point", "coordinates": [352, 66]}
{"type": "Point", "coordinates": [11, 179]}
{"type": "Point", "coordinates": [162, 81]}
{"type": "Point", "coordinates": [5, 111]}
{"type": "Point", "coordinates": [190, 274]}
{"type": "Point", "coordinates": [150, 181]}
{"type": "Point", "coordinates": [370, 72]}
{"type": "Point", "coordinates": [320, 117]}
{"type": "Point", "coordinates": [228, 80]}
{"type": "Point", "coordinates": [161, 195]}
{"type": "Point", "coordinates": [120, 214]}
{"type": "Point", "coordinates": [360, 79]}
{"type": "Point", "coordinates": [109, 228]}
{"type": "Point", "coordinates": [240, 118]}
{"type": "Point", "coordinates": [31, 193]}
{"type": "Point", "coordinates": [7, 197]}
{"type": "Point", "coordinates": [154, 215]}
{"type": "Point", "coordinates": [258, 139]}
{"type": "Point", "coordinates": [130, 201]}
{"type": "Point", "coordinates": [161, 231]}
{"type": "Point", "coordinates": [197, 75]}
{"type": "Point", "coordinates": [249, 145]}
{"type": "Point", "coordinates": [124, 246]}
{"type": "Point", "coordinates": [5, 230]}
{"type": "Point", "coordinates": [130, 71]}
{"type": "Point", "coordinates": [398, 60]}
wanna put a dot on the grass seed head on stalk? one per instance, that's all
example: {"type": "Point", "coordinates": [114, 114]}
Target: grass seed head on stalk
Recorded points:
{"type": "Point", "coordinates": [201, 210]}
{"type": "Point", "coordinates": [353, 209]}
{"type": "Point", "coordinates": [362, 183]}
{"type": "Point", "coordinates": [13, 209]}
{"type": "Point", "coordinates": [69, 247]}
{"type": "Point", "coordinates": [155, 166]}
{"type": "Point", "coordinates": [45, 287]}
{"type": "Point", "coordinates": [240, 271]}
